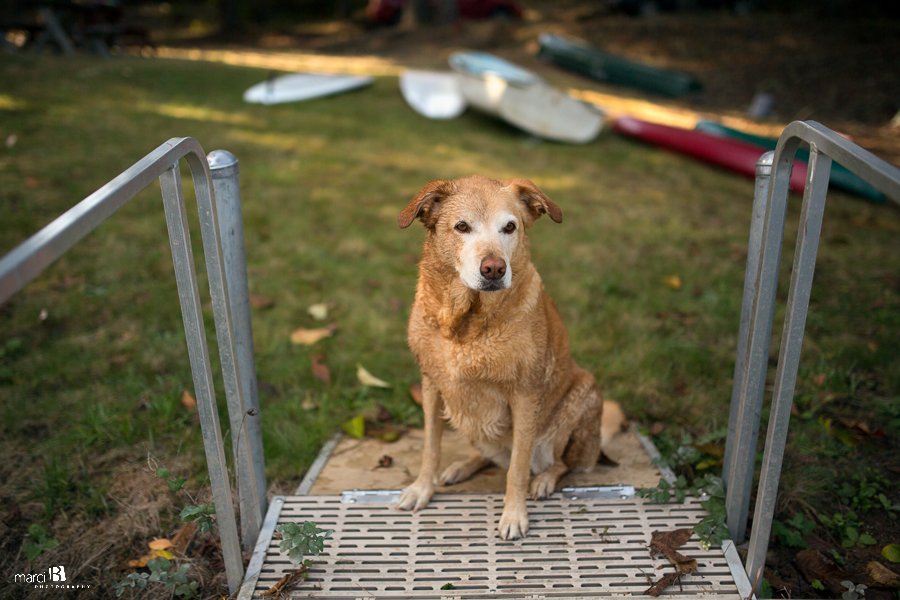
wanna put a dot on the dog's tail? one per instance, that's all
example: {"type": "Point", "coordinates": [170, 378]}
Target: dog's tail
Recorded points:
{"type": "Point", "coordinates": [613, 420]}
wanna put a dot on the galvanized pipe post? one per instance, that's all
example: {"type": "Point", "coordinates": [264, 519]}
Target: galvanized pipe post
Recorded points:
{"type": "Point", "coordinates": [743, 455]}
{"type": "Point", "coordinates": [198, 354]}
{"type": "Point", "coordinates": [225, 174]}
{"type": "Point", "coordinates": [741, 417]}
{"type": "Point", "coordinates": [789, 357]}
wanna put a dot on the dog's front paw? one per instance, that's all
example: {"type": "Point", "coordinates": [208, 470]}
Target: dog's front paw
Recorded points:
{"type": "Point", "coordinates": [513, 522]}
{"type": "Point", "coordinates": [416, 495]}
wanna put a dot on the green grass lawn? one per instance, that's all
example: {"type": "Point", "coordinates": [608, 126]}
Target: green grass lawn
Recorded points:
{"type": "Point", "coordinates": [93, 361]}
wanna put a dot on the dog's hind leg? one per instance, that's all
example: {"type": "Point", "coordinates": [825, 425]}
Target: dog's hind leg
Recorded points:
{"type": "Point", "coordinates": [583, 449]}
{"type": "Point", "coordinates": [463, 469]}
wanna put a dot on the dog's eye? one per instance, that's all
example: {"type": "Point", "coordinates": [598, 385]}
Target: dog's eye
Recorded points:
{"type": "Point", "coordinates": [510, 227]}
{"type": "Point", "coordinates": [462, 227]}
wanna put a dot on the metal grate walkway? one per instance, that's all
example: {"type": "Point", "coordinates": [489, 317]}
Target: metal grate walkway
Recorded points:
{"type": "Point", "coordinates": [575, 548]}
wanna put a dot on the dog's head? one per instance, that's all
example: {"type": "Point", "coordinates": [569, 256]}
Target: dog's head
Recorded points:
{"type": "Point", "coordinates": [478, 225]}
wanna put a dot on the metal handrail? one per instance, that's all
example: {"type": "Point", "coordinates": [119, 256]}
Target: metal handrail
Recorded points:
{"type": "Point", "coordinates": [757, 315]}
{"type": "Point", "coordinates": [31, 257]}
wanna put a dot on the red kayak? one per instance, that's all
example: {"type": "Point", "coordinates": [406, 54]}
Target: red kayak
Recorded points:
{"type": "Point", "coordinates": [729, 154]}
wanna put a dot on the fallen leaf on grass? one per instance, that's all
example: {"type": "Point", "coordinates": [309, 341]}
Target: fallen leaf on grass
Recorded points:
{"type": "Point", "coordinates": [160, 544]}
{"type": "Point", "coordinates": [415, 390]}
{"type": "Point", "coordinates": [368, 379]}
{"type": "Point", "coordinates": [395, 304]}
{"type": "Point", "coordinates": [319, 369]}
{"type": "Point", "coordinates": [673, 281]}
{"type": "Point", "coordinates": [309, 403]}
{"type": "Point", "coordinates": [261, 302]}
{"type": "Point", "coordinates": [882, 576]}
{"type": "Point", "coordinates": [158, 549]}
{"type": "Point", "coordinates": [188, 401]}
{"type": "Point", "coordinates": [355, 427]}
{"type": "Point", "coordinates": [816, 565]}
{"type": "Point", "coordinates": [287, 583]}
{"type": "Point", "coordinates": [891, 552]}
{"type": "Point", "coordinates": [183, 537]}
{"type": "Point", "coordinates": [308, 337]}
{"type": "Point", "coordinates": [319, 311]}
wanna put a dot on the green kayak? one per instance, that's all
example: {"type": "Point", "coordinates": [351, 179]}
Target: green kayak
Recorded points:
{"type": "Point", "coordinates": [841, 177]}
{"type": "Point", "coordinates": [607, 67]}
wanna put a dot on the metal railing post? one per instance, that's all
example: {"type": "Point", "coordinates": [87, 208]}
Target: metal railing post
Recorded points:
{"type": "Point", "coordinates": [225, 174]}
{"type": "Point", "coordinates": [735, 415]}
{"type": "Point", "coordinates": [789, 357]}
{"type": "Point", "coordinates": [743, 457]}
{"type": "Point", "coordinates": [743, 419]}
{"type": "Point", "coordinates": [198, 354]}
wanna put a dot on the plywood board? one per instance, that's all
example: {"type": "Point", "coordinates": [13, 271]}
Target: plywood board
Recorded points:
{"type": "Point", "coordinates": [354, 465]}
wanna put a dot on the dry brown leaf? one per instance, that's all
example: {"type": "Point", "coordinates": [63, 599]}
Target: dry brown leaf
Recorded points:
{"type": "Point", "coordinates": [183, 536]}
{"type": "Point", "coordinates": [188, 401]}
{"type": "Point", "coordinates": [666, 542]}
{"type": "Point", "coordinates": [415, 390]}
{"type": "Point", "coordinates": [308, 337]}
{"type": "Point", "coordinates": [816, 565]}
{"type": "Point", "coordinates": [287, 583]}
{"type": "Point", "coordinates": [161, 544]}
{"type": "Point", "coordinates": [385, 462]}
{"type": "Point", "coordinates": [882, 576]}
{"type": "Point", "coordinates": [142, 561]}
{"type": "Point", "coordinates": [665, 581]}
{"type": "Point", "coordinates": [368, 379]}
{"type": "Point", "coordinates": [261, 302]}
{"type": "Point", "coordinates": [319, 369]}
{"type": "Point", "coordinates": [673, 281]}
{"type": "Point", "coordinates": [395, 304]}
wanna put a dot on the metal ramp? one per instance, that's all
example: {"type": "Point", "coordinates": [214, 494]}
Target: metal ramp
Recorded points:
{"type": "Point", "coordinates": [576, 548]}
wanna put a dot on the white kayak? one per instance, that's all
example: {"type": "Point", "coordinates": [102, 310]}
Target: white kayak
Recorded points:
{"type": "Point", "coordinates": [433, 94]}
{"type": "Point", "coordinates": [524, 100]}
{"type": "Point", "coordinates": [303, 86]}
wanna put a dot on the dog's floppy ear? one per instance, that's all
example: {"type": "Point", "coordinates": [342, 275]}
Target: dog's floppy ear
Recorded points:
{"type": "Point", "coordinates": [423, 205]}
{"type": "Point", "coordinates": [535, 200]}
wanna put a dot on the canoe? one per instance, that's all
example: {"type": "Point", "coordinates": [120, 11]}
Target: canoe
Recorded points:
{"type": "Point", "coordinates": [841, 177]}
{"type": "Point", "coordinates": [303, 86]}
{"type": "Point", "coordinates": [586, 60]}
{"type": "Point", "coordinates": [484, 64]}
{"type": "Point", "coordinates": [433, 94]}
{"type": "Point", "coordinates": [521, 98]}
{"type": "Point", "coordinates": [734, 155]}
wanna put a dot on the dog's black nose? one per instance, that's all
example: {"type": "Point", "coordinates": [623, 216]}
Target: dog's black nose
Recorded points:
{"type": "Point", "coordinates": [493, 268]}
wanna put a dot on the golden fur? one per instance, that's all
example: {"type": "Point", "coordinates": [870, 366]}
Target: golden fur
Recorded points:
{"type": "Point", "coordinates": [492, 348]}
